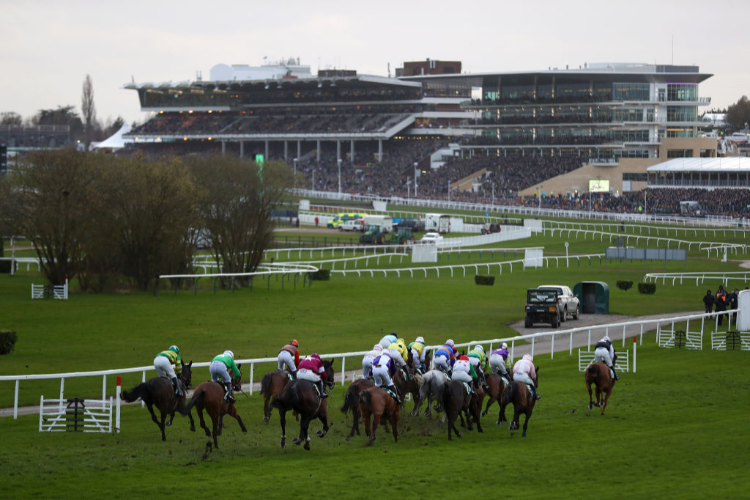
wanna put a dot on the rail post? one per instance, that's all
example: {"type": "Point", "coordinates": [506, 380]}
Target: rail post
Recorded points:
{"type": "Point", "coordinates": [252, 372]}
{"type": "Point", "coordinates": [343, 370]}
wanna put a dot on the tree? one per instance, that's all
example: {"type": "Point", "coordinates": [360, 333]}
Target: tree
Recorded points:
{"type": "Point", "coordinates": [236, 207]}
{"type": "Point", "coordinates": [50, 200]}
{"type": "Point", "coordinates": [63, 115]}
{"type": "Point", "coordinates": [88, 110]}
{"type": "Point", "coordinates": [10, 118]}
{"type": "Point", "coordinates": [738, 114]}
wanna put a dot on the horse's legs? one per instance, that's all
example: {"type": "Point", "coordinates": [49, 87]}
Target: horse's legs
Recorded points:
{"type": "Point", "coordinates": [282, 419]}
{"type": "Point", "coordinates": [323, 417]}
{"type": "Point", "coordinates": [303, 425]}
{"type": "Point", "coordinates": [394, 424]}
{"type": "Point", "coordinates": [355, 425]}
{"type": "Point", "coordinates": [266, 407]}
{"type": "Point", "coordinates": [607, 393]}
{"type": "Point", "coordinates": [598, 395]}
{"type": "Point", "coordinates": [591, 400]}
{"type": "Point", "coordinates": [516, 415]}
{"type": "Point", "coordinates": [366, 420]}
{"type": "Point", "coordinates": [202, 421]}
{"type": "Point", "coordinates": [475, 410]}
{"type": "Point", "coordinates": [489, 403]}
{"type": "Point", "coordinates": [153, 415]}
{"type": "Point", "coordinates": [162, 426]}
{"type": "Point", "coordinates": [526, 422]}
{"type": "Point", "coordinates": [232, 412]}
{"type": "Point", "coordinates": [192, 422]}
{"type": "Point", "coordinates": [375, 423]}
{"type": "Point", "coordinates": [215, 421]}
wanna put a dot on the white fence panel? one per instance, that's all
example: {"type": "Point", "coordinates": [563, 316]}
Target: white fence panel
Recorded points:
{"type": "Point", "coordinates": [585, 358]}
{"type": "Point", "coordinates": [94, 415]}
{"type": "Point", "coordinates": [424, 253]}
{"type": "Point", "coordinates": [739, 341]}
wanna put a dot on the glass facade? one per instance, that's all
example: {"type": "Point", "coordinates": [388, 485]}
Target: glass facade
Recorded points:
{"type": "Point", "coordinates": [682, 92]}
{"type": "Point", "coordinates": [517, 92]}
{"type": "Point", "coordinates": [628, 115]}
{"type": "Point", "coordinates": [680, 153]}
{"type": "Point", "coordinates": [631, 92]}
{"type": "Point", "coordinates": [573, 92]}
{"type": "Point", "coordinates": [680, 132]}
{"type": "Point", "coordinates": [682, 114]}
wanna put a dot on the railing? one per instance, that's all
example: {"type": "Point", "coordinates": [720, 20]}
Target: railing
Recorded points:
{"type": "Point", "coordinates": [700, 277]}
{"type": "Point", "coordinates": [641, 227]}
{"type": "Point", "coordinates": [533, 338]}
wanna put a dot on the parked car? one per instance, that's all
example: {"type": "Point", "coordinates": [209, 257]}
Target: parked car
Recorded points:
{"type": "Point", "coordinates": [542, 307]}
{"type": "Point", "coordinates": [431, 238]}
{"type": "Point", "coordinates": [352, 225]}
{"type": "Point", "coordinates": [491, 228]}
{"type": "Point", "coordinates": [416, 225]}
{"type": "Point", "coordinates": [569, 303]}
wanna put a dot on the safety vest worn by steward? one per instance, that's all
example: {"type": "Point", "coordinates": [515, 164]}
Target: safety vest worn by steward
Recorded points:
{"type": "Point", "coordinates": [175, 359]}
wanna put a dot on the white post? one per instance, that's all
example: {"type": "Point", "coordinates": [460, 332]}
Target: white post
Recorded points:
{"type": "Point", "coordinates": [588, 345]}
{"type": "Point", "coordinates": [571, 344]}
{"type": "Point", "coordinates": [41, 411]}
{"type": "Point", "coordinates": [532, 346]}
{"type": "Point", "coordinates": [252, 370]}
{"type": "Point", "coordinates": [143, 405]}
{"type": "Point", "coordinates": [635, 348]}
{"type": "Point", "coordinates": [62, 389]}
{"type": "Point", "coordinates": [343, 369]}
{"type": "Point", "coordinates": [512, 349]}
{"type": "Point", "coordinates": [15, 400]}
{"type": "Point", "coordinates": [104, 387]}
{"type": "Point", "coordinates": [117, 397]}
{"type": "Point", "coordinates": [110, 414]}
{"type": "Point", "coordinates": [623, 335]}
{"type": "Point", "coordinates": [552, 349]}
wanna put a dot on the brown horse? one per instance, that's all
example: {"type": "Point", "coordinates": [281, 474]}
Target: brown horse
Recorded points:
{"type": "Point", "coordinates": [376, 402]}
{"type": "Point", "coordinates": [599, 375]}
{"type": "Point", "coordinates": [351, 401]}
{"type": "Point", "coordinates": [302, 396]}
{"type": "Point", "coordinates": [411, 387]}
{"type": "Point", "coordinates": [496, 386]}
{"type": "Point", "coordinates": [271, 386]}
{"type": "Point", "coordinates": [209, 396]}
{"type": "Point", "coordinates": [520, 395]}
{"type": "Point", "coordinates": [159, 392]}
{"type": "Point", "coordinates": [455, 401]}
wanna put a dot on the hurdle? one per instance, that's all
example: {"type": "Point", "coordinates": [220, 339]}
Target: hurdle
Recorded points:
{"type": "Point", "coordinates": [585, 358]}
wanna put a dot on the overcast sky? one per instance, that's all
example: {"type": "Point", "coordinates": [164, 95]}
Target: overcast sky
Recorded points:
{"type": "Point", "coordinates": [47, 47]}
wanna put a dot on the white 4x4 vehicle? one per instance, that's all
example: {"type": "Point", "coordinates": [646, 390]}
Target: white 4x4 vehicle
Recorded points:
{"type": "Point", "coordinates": [352, 225]}
{"type": "Point", "coordinates": [567, 302]}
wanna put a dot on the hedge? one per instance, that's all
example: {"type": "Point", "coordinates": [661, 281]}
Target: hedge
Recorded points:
{"type": "Point", "coordinates": [321, 275]}
{"type": "Point", "coordinates": [647, 288]}
{"type": "Point", "coordinates": [5, 266]}
{"type": "Point", "coordinates": [7, 341]}
{"type": "Point", "coordinates": [625, 285]}
{"type": "Point", "coordinates": [484, 280]}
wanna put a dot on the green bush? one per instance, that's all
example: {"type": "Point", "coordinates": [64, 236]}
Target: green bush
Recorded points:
{"type": "Point", "coordinates": [484, 280]}
{"type": "Point", "coordinates": [647, 288]}
{"type": "Point", "coordinates": [5, 266]}
{"type": "Point", "coordinates": [321, 275]}
{"type": "Point", "coordinates": [7, 341]}
{"type": "Point", "coordinates": [625, 285]}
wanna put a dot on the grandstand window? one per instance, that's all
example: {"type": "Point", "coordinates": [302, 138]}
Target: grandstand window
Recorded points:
{"type": "Point", "coordinates": [680, 153]}
{"type": "Point", "coordinates": [628, 115]}
{"type": "Point", "coordinates": [632, 176]}
{"type": "Point", "coordinates": [631, 91]}
{"type": "Point", "coordinates": [573, 92]}
{"type": "Point", "coordinates": [680, 132]}
{"type": "Point", "coordinates": [603, 91]}
{"type": "Point", "coordinates": [682, 114]}
{"type": "Point", "coordinates": [630, 135]}
{"type": "Point", "coordinates": [632, 153]}
{"type": "Point", "coordinates": [491, 95]}
{"type": "Point", "coordinates": [518, 92]}
{"type": "Point", "coordinates": [544, 92]}
{"type": "Point", "coordinates": [682, 92]}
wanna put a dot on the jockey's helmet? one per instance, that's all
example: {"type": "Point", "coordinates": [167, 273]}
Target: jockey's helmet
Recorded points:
{"type": "Point", "coordinates": [479, 348]}
{"type": "Point", "coordinates": [315, 356]}
{"type": "Point", "coordinates": [504, 346]}
{"type": "Point", "coordinates": [377, 347]}
{"type": "Point", "coordinates": [420, 340]}
{"type": "Point", "coordinates": [528, 357]}
{"type": "Point", "coordinates": [229, 353]}
{"type": "Point", "coordinates": [174, 348]}
{"type": "Point", "coordinates": [450, 343]}
{"type": "Point", "coordinates": [295, 343]}
{"type": "Point", "coordinates": [606, 338]}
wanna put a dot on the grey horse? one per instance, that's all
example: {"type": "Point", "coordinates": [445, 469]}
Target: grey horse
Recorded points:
{"type": "Point", "coordinates": [431, 390]}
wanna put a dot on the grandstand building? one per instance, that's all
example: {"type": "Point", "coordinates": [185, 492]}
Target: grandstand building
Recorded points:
{"type": "Point", "coordinates": [619, 119]}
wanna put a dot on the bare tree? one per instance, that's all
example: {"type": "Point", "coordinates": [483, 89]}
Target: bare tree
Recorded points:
{"type": "Point", "coordinates": [10, 118]}
{"type": "Point", "coordinates": [88, 110]}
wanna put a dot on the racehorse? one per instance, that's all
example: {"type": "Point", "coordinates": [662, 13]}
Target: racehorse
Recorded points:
{"type": "Point", "coordinates": [520, 395]}
{"type": "Point", "coordinates": [302, 396]}
{"type": "Point", "coordinates": [431, 390]}
{"type": "Point", "coordinates": [412, 386]}
{"type": "Point", "coordinates": [599, 375]}
{"type": "Point", "coordinates": [455, 400]}
{"type": "Point", "coordinates": [496, 385]}
{"type": "Point", "coordinates": [209, 396]}
{"type": "Point", "coordinates": [376, 402]}
{"type": "Point", "coordinates": [271, 386]}
{"type": "Point", "coordinates": [159, 392]}
{"type": "Point", "coordinates": [351, 401]}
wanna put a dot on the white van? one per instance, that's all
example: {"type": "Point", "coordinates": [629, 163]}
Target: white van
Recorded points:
{"type": "Point", "coordinates": [437, 223]}
{"type": "Point", "coordinates": [384, 222]}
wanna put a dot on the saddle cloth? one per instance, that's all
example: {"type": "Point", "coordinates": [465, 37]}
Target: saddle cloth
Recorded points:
{"type": "Point", "coordinates": [389, 392]}
{"type": "Point", "coordinates": [467, 387]}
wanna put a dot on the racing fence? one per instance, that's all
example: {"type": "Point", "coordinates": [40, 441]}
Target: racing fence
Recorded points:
{"type": "Point", "coordinates": [541, 342]}
{"type": "Point", "coordinates": [699, 277]}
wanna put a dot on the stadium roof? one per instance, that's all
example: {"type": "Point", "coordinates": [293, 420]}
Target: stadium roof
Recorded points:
{"type": "Point", "coordinates": [115, 141]}
{"type": "Point", "coordinates": [359, 81]}
{"type": "Point", "coordinates": [727, 164]}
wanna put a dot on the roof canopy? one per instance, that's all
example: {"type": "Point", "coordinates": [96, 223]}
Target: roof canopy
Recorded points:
{"type": "Point", "coordinates": [727, 164]}
{"type": "Point", "coordinates": [115, 141]}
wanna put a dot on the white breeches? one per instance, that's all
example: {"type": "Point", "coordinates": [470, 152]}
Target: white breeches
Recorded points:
{"type": "Point", "coordinates": [306, 374]}
{"type": "Point", "coordinates": [382, 377]}
{"type": "Point", "coordinates": [523, 377]}
{"type": "Point", "coordinates": [461, 376]}
{"type": "Point", "coordinates": [286, 359]}
{"type": "Point", "coordinates": [397, 358]}
{"type": "Point", "coordinates": [601, 355]}
{"type": "Point", "coordinates": [442, 363]}
{"type": "Point", "coordinates": [163, 367]}
{"type": "Point", "coordinates": [497, 364]}
{"type": "Point", "coordinates": [218, 371]}
{"type": "Point", "coordinates": [367, 366]}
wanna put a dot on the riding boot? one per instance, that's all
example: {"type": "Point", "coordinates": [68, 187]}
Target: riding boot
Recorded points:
{"type": "Point", "coordinates": [293, 375]}
{"type": "Point", "coordinates": [614, 373]}
{"type": "Point", "coordinates": [484, 383]}
{"type": "Point", "coordinates": [228, 392]}
{"type": "Point", "coordinates": [395, 392]}
{"type": "Point", "coordinates": [177, 390]}
{"type": "Point", "coordinates": [534, 393]}
{"type": "Point", "coordinates": [323, 393]}
{"type": "Point", "coordinates": [406, 374]}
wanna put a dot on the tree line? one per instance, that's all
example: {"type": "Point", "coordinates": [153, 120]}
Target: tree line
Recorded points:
{"type": "Point", "coordinates": [113, 221]}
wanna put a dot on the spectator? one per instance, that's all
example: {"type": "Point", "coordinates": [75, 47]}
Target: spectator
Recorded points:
{"type": "Point", "coordinates": [708, 301]}
{"type": "Point", "coordinates": [316, 221]}
{"type": "Point", "coordinates": [721, 303]}
{"type": "Point", "coordinates": [733, 304]}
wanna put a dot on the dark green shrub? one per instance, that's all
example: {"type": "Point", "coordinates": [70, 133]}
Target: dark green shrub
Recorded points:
{"type": "Point", "coordinates": [647, 288]}
{"type": "Point", "coordinates": [7, 341]}
{"type": "Point", "coordinates": [625, 285]}
{"type": "Point", "coordinates": [321, 275]}
{"type": "Point", "coordinates": [484, 280]}
{"type": "Point", "coordinates": [5, 266]}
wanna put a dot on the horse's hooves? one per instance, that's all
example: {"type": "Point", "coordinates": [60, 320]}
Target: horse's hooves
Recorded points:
{"type": "Point", "coordinates": [266, 419]}
{"type": "Point", "coordinates": [320, 434]}
{"type": "Point", "coordinates": [524, 434]}
{"type": "Point", "coordinates": [167, 424]}
{"type": "Point", "coordinates": [283, 443]}
{"type": "Point", "coordinates": [458, 434]}
{"type": "Point", "coordinates": [192, 428]}
{"type": "Point", "coordinates": [484, 413]}
{"type": "Point", "coordinates": [498, 423]}
{"type": "Point", "coordinates": [296, 441]}
{"type": "Point", "coordinates": [307, 446]}
{"type": "Point", "coordinates": [480, 430]}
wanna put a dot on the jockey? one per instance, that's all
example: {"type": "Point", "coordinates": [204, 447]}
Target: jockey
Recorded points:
{"type": "Point", "coordinates": [464, 371]}
{"type": "Point", "coordinates": [219, 370]}
{"type": "Point", "coordinates": [398, 352]}
{"type": "Point", "coordinates": [386, 341]}
{"type": "Point", "coordinates": [289, 356]}
{"type": "Point", "coordinates": [497, 362]}
{"type": "Point", "coordinates": [418, 353]}
{"type": "Point", "coordinates": [312, 368]}
{"type": "Point", "coordinates": [383, 368]}
{"type": "Point", "coordinates": [445, 357]}
{"type": "Point", "coordinates": [605, 353]}
{"type": "Point", "coordinates": [163, 364]}
{"type": "Point", "coordinates": [377, 350]}
{"type": "Point", "coordinates": [524, 371]}
{"type": "Point", "coordinates": [478, 360]}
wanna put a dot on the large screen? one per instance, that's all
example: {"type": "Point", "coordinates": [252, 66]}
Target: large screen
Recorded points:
{"type": "Point", "coordinates": [598, 186]}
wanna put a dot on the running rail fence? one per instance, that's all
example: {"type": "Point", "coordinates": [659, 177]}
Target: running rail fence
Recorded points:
{"type": "Point", "coordinates": [663, 326]}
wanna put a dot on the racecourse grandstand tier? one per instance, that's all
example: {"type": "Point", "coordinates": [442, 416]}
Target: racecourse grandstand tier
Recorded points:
{"type": "Point", "coordinates": [701, 173]}
{"type": "Point", "coordinates": [18, 138]}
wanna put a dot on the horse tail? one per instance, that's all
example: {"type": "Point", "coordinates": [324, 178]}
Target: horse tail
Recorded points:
{"type": "Point", "coordinates": [197, 398]}
{"type": "Point", "coordinates": [365, 398]}
{"type": "Point", "coordinates": [509, 394]}
{"type": "Point", "coordinates": [350, 400]}
{"type": "Point", "coordinates": [138, 391]}
{"type": "Point", "coordinates": [266, 382]}
{"type": "Point", "coordinates": [592, 371]}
